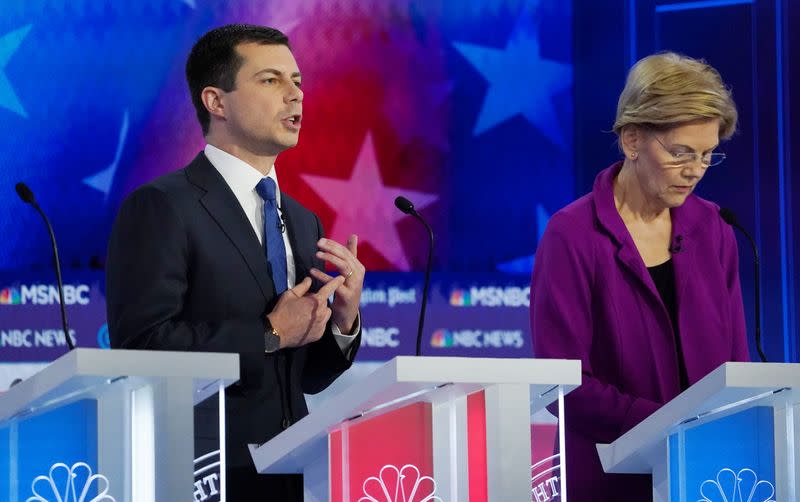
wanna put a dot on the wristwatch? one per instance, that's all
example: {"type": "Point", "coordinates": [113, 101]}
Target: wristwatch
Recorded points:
{"type": "Point", "coordinates": [272, 341]}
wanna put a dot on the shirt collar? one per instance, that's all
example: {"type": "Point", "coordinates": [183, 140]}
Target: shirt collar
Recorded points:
{"type": "Point", "coordinates": [240, 176]}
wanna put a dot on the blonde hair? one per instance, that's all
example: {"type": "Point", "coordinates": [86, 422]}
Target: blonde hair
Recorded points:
{"type": "Point", "coordinates": [668, 90]}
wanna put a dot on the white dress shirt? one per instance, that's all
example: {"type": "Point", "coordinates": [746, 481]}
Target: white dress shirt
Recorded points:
{"type": "Point", "coordinates": [242, 178]}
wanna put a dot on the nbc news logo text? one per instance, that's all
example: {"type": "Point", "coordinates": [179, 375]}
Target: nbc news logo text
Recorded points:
{"type": "Point", "coordinates": [380, 337]}
{"type": "Point", "coordinates": [477, 339]}
{"type": "Point", "coordinates": [31, 338]}
{"type": "Point", "coordinates": [491, 296]}
{"type": "Point", "coordinates": [44, 294]}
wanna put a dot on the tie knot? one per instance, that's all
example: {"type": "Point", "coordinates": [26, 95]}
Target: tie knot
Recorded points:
{"type": "Point", "coordinates": [266, 189]}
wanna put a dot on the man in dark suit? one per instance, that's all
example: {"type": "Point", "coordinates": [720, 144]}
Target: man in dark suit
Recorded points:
{"type": "Point", "coordinates": [213, 257]}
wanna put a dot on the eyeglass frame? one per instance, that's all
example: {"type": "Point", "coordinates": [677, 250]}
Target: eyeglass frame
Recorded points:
{"type": "Point", "coordinates": [694, 156]}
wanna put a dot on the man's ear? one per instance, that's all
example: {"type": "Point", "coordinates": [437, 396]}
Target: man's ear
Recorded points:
{"type": "Point", "coordinates": [212, 98]}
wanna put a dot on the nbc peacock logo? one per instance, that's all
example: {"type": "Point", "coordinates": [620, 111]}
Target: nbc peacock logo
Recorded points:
{"type": "Point", "coordinates": [460, 298]}
{"type": "Point", "coordinates": [404, 484]}
{"type": "Point", "coordinates": [442, 338]}
{"type": "Point", "coordinates": [10, 296]}
{"type": "Point", "coordinates": [733, 486]}
{"type": "Point", "coordinates": [70, 484]}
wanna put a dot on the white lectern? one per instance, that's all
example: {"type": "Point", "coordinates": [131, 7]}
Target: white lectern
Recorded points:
{"type": "Point", "coordinates": [425, 428]}
{"type": "Point", "coordinates": [108, 425]}
{"type": "Point", "coordinates": [731, 436]}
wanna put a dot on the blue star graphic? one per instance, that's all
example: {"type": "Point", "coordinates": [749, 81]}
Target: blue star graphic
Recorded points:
{"type": "Point", "coordinates": [520, 82]}
{"type": "Point", "coordinates": [524, 264]}
{"type": "Point", "coordinates": [9, 44]}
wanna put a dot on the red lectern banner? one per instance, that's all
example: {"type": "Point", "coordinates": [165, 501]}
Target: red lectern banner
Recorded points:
{"type": "Point", "coordinates": [390, 457]}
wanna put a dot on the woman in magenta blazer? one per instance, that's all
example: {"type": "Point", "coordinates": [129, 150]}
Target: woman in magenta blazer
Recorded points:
{"type": "Point", "coordinates": [639, 279]}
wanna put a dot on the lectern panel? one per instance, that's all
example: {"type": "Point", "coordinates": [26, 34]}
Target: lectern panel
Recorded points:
{"type": "Point", "coordinates": [547, 459]}
{"type": "Point", "coordinates": [120, 440]}
{"type": "Point", "coordinates": [53, 455]}
{"type": "Point", "coordinates": [391, 453]}
{"type": "Point", "coordinates": [443, 450]}
{"type": "Point", "coordinates": [732, 458]}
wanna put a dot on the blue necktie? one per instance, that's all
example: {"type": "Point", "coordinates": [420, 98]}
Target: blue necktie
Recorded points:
{"type": "Point", "coordinates": [273, 236]}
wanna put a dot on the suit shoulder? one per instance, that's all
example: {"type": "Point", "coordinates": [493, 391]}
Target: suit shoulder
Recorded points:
{"type": "Point", "coordinates": [707, 224]}
{"type": "Point", "coordinates": [290, 204]}
{"type": "Point", "coordinates": [175, 182]}
{"type": "Point", "coordinates": [577, 216]}
{"type": "Point", "coordinates": [173, 186]}
{"type": "Point", "coordinates": [703, 217]}
{"type": "Point", "coordinates": [701, 207]}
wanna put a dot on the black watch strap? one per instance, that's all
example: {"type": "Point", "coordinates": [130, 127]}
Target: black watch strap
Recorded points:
{"type": "Point", "coordinates": [272, 342]}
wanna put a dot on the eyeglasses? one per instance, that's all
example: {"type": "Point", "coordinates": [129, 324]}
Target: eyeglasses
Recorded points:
{"type": "Point", "coordinates": [682, 159]}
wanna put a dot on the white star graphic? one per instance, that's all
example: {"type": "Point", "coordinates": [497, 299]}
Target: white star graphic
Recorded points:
{"type": "Point", "coordinates": [9, 44]}
{"type": "Point", "coordinates": [521, 82]}
{"type": "Point", "coordinates": [365, 206]}
{"type": "Point", "coordinates": [104, 179]}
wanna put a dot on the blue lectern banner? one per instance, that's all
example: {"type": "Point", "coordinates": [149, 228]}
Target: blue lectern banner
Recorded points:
{"type": "Point", "coordinates": [53, 456]}
{"type": "Point", "coordinates": [730, 459]}
{"type": "Point", "coordinates": [5, 467]}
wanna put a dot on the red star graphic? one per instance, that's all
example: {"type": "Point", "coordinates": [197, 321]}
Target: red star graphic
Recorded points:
{"type": "Point", "coordinates": [365, 206]}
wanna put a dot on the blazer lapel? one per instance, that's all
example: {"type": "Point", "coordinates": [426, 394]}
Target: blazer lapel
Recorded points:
{"type": "Point", "coordinates": [629, 256]}
{"type": "Point", "coordinates": [683, 222]}
{"type": "Point", "coordinates": [608, 217]}
{"type": "Point", "coordinates": [224, 208]}
{"type": "Point", "coordinates": [303, 242]}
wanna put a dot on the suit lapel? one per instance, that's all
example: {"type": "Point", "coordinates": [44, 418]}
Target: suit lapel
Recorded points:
{"type": "Point", "coordinates": [224, 208]}
{"type": "Point", "coordinates": [303, 242]}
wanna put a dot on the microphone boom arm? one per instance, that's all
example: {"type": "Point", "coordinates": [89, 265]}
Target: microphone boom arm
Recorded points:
{"type": "Point", "coordinates": [27, 197]}
{"type": "Point", "coordinates": [427, 282]}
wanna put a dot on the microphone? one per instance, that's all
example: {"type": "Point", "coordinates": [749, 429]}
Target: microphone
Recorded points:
{"type": "Point", "coordinates": [404, 205]}
{"type": "Point", "coordinates": [730, 218]}
{"type": "Point", "coordinates": [676, 246]}
{"type": "Point", "coordinates": [27, 197]}
{"type": "Point", "coordinates": [282, 223]}
{"type": "Point", "coordinates": [407, 207]}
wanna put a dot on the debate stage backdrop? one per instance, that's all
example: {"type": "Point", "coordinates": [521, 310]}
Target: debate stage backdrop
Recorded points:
{"type": "Point", "coordinates": [464, 107]}
{"type": "Point", "coordinates": [490, 115]}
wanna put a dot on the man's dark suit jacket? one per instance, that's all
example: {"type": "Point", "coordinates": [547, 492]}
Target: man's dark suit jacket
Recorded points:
{"type": "Point", "coordinates": [186, 271]}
